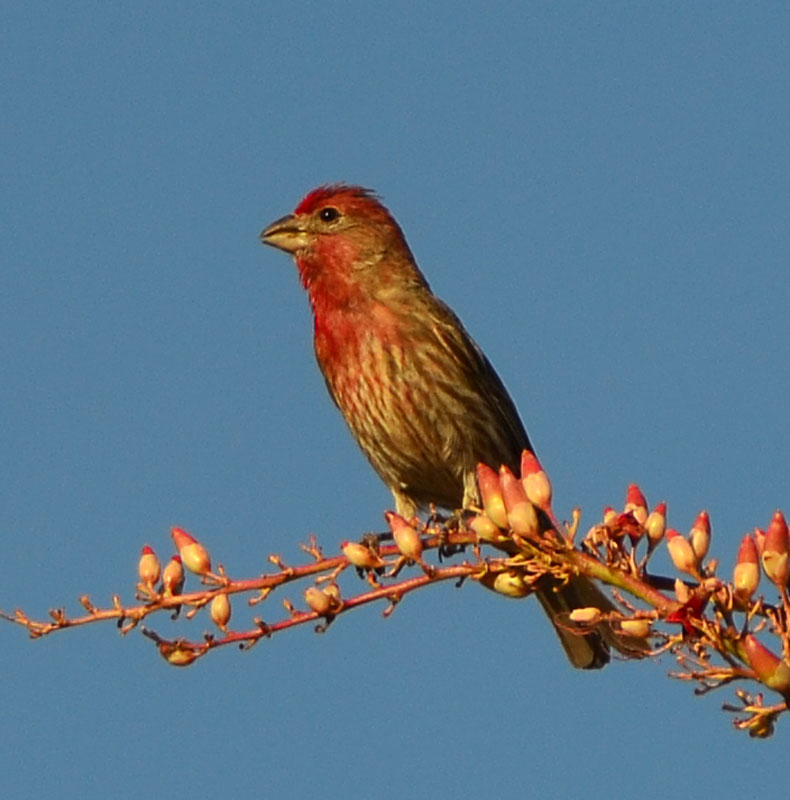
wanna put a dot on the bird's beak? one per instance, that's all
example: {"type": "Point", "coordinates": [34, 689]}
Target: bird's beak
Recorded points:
{"type": "Point", "coordinates": [286, 234]}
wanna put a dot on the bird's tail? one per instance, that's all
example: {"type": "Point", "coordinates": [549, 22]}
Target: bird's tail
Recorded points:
{"type": "Point", "coordinates": [584, 650]}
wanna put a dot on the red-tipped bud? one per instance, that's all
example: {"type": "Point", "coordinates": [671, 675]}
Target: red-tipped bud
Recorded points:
{"type": "Point", "coordinates": [536, 482]}
{"type": "Point", "coordinates": [656, 524]}
{"type": "Point", "coordinates": [195, 557]}
{"type": "Point", "coordinates": [638, 628]}
{"type": "Point", "coordinates": [521, 514]}
{"type": "Point", "coordinates": [220, 611]}
{"type": "Point", "coordinates": [491, 495]}
{"type": "Point", "coordinates": [699, 536]}
{"type": "Point", "coordinates": [361, 556]}
{"type": "Point", "coordinates": [775, 550]}
{"type": "Point", "coordinates": [173, 577]}
{"type": "Point", "coordinates": [318, 601]}
{"type": "Point", "coordinates": [681, 552]}
{"type": "Point", "coordinates": [609, 516]}
{"type": "Point", "coordinates": [148, 568]}
{"type": "Point", "coordinates": [636, 504]}
{"type": "Point", "coordinates": [746, 575]}
{"type": "Point", "coordinates": [486, 529]}
{"type": "Point", "coordinates": [407, 539]}
{"type": "Point", "coordinates": [587, 616]}
{"type": "Point", "coordinates": [510, 583]}
{"type": "Point", "coordinates": [770, 669]}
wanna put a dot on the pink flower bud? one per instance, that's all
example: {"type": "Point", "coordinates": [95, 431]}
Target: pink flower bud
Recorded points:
{"type": "Point", "coordinates": [521, 514]}
{"type": "Point", "coordinates": [195, 557]}
{"type": "Point", "coordinates": [635, 503]}
{"type": "Point", "coordinates": [407, 539]}
{"type": "Point", "coordinates": [318, 601]}
{"type": "Point", "coordinates": [609, 516]}
{"type": "Point", "coordinates": [681, 552]}
{"type": "Point", "coordinates": [770, 669]}
{"type": "Point", "coordinates": [220, 611]}
{"type": "Point", "coordinates": [699, 537]}
{"type": "Point", "coordinates": [656, 524]}
{"type": "Point", "coordinates": [491, 495]}
{"type": "Point", "coordinates": [173, 577]}
{"type": "Point", "coordinates": [148, 568]}
{"type": "Point", "coordinates": [361, 556]}
{"type": "Point", "coordinates": [746, 575]}
{"type": "Point", "coordinates": [775, 550]}
{"type": "Point", "coordinates": [536, 482]}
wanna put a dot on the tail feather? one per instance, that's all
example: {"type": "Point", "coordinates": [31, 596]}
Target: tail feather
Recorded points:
{"type": "Point", "coordinates": [589, 650]}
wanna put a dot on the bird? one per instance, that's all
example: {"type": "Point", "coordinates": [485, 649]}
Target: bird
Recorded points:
{"type": "Point", "coordinates": [418, 394]}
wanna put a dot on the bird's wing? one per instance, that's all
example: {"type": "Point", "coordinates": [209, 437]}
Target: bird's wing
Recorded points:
{"type": "Point", "coordinates": [487, 394]}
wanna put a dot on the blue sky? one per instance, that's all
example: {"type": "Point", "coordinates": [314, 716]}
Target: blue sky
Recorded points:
{"type": "Point", "coordinates": [599, 190]}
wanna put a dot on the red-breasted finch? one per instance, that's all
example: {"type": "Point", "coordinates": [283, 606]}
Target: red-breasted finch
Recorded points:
{"type": "Point", "coordinates": [419, 395]}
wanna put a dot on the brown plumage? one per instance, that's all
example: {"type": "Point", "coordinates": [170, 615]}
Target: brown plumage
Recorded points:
{"type": "Point", "coordinates": [420, 397]}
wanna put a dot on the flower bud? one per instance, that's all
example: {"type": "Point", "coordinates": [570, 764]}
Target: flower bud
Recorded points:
{"type": "Point", "coordinates": [148, 568]}
{"type": "Point", "coordinates": [318, 601]}
{"type": "Point", "coordinates": [521, 514]}
{"type": "Point", "coordinates": [195, 557]}
{"type": "Point", "coordinates": [510, 583]}
{"type": "Point", "coordinates": [775, 550]}
{"type": "Point", "coordinates": [491, 495]}
{"type": "Point", "coordinates": [407, 539]}
{"type": "Point", "coordinates": [220, 611]}
{"type": "Point", "coordinates": [681, 552]}
{"type": "Point", "coordinates": [746, 575]}
{"type": "Point", "coordinates": [485, 529]}
{"type": "Point", "coordinates": [587, 616]}
{"type": "Point", "coordinates": [656, 524]}
{"type": "Point", "coordinates": [361, 556]}
{"type": "Point", "coordinates": [638, 628]}
{"type": "Point", "coordinates": [173, 577]}
{"type": "Point", "coordinates": [635, 503]}
{"type": "Point", "coordinates": [770, 669]}
{"type": "Point", "coordinates": [699, 537]}
{"type": "Point", "coordinates": [609, 516]}
{"type": "Point", "coordinates": [536, 482]}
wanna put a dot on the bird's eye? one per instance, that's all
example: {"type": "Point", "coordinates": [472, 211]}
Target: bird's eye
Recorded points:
{"type": "Point", "coordinates": [329, 214]}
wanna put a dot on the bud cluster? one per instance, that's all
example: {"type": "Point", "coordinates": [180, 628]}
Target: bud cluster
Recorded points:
{"type": "Point", "coordinates": [693, 613]}
{"type": "Point", "coordinates": [512, 503]}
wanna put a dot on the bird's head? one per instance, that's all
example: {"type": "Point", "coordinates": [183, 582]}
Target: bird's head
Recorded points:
{"type": "Point", "coordinates": [342, 235]}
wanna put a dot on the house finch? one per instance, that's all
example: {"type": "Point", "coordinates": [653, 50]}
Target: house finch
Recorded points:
{"type": "Point", "coordinates": [420, 397]}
